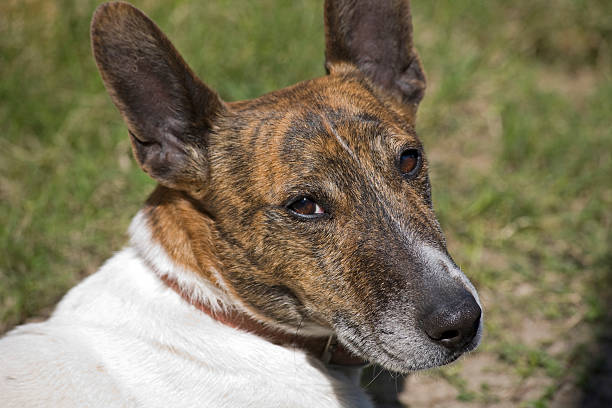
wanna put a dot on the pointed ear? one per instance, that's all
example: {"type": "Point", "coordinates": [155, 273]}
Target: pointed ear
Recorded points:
{"type": "Point", "coordinates": [167, 109]}
{"type": "Point", "coordinates": [376, 37]}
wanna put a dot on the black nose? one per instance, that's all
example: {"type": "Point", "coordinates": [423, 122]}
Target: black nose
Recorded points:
{"type": "Point", "coordinates": [454, 325]}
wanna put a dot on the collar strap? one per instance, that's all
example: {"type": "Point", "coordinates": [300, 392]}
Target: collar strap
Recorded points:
{"type": "Point", "coordinates": [327, 349]}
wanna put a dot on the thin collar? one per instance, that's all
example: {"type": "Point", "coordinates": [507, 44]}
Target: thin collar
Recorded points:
{"type": "Point", "coordinates": [326, 349]}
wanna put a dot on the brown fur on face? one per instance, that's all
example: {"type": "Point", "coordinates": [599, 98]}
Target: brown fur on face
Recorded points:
{"type": "Point", "coordinates": [283, 146]}
{"type": "Point", "coordinates": [229, 171]}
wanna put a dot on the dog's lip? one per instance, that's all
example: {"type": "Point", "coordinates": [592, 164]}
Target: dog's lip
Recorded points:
{"type": "Point", "coordinates": [395, 348]}
{"type": "Point", "coordinates": [394, 356]}
{"type": "Point", "coordinates": [345, 357]}
{"type": "Point", "coordinates": [354, 351]}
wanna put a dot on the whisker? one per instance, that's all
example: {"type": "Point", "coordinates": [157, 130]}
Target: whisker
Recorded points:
{"type": "Point", "coordinates": [375, 377]}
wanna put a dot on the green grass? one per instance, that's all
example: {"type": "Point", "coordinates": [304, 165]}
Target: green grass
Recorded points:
{"type": "Point", "coordinates": [516, 123]}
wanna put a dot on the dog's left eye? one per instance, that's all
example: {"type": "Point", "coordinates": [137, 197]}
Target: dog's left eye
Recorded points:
{"type": "Point", "coordinates": [304, 206]}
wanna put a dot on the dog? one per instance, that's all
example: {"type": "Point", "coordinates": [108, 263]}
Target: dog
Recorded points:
{"type": "Point", "coordinates": [291, 238]}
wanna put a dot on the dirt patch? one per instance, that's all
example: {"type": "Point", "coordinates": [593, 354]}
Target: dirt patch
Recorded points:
{"type": "Point", "coordinates": [427, 390]}
{"type": "Point", "coordinates": [479, 381]}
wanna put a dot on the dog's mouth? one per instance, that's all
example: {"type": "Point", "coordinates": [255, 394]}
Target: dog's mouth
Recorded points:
{"type": "Point", "coordinates": [401, 351]}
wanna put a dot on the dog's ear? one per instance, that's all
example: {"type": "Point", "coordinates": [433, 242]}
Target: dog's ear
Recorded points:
{"type": "Point", "coordinates": [167, 109]}
{"type": "Point", "coordinates": [376, 36]}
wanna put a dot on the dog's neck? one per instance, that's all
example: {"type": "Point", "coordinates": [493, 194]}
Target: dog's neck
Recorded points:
{"type": "Point", "coordinates": [176, 240]}
{"type": "Point", "coordinates": [327, 349]}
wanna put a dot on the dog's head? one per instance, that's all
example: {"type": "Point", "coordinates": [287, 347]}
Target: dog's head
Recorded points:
{"type": "Point", "coordinates": [317, 195]}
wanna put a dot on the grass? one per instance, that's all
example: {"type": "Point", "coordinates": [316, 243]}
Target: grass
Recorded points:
{"type": "Point", "coordinates": [516, 123]}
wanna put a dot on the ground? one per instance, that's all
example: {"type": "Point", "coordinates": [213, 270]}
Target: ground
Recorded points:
{"type": "Point", "coordinates": [516, 124]}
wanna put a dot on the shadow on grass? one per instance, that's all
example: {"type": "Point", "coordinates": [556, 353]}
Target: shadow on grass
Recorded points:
{"type": "Point", "coordinates": [596, 381]}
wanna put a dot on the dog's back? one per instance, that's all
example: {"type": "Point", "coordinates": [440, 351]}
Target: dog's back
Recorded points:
{"type": "Point", "coordinates": [60, 362]}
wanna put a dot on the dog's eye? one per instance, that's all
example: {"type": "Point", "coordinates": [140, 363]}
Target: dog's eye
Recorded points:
{"type": "Point", "coordinates": [409, 161]}
{"type": "Point", "coordinates": [306, 207]}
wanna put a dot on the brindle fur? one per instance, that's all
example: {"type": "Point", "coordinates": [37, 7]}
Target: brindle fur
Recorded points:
{"type": "Point", "coordinates": [228, 170]}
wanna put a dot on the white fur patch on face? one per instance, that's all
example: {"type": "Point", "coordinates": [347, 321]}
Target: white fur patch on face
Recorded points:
{"type": "Point", "coordinates": [194, 286]}
{"type": "Point", "coordinates": [433, 257]}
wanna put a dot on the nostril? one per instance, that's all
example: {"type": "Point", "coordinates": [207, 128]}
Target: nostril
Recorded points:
{"type": "Point", "coordinates": [449, 335]}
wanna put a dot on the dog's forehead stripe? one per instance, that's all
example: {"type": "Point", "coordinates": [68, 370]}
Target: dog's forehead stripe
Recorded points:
{"type": "Point", "coordinates": [341, 141]}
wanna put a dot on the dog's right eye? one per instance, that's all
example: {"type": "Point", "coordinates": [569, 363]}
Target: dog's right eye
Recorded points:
{"type": "Point", "coordinates": [305, 207]}
{"type": "Point", "coordinates": [410, 161]}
